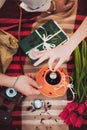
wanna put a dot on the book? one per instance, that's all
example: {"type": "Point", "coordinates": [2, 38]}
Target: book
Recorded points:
{"type": "Point", "coordinates": [47, 36]}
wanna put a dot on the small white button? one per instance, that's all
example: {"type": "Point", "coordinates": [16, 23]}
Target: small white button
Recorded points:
{"type": "Point", "coordinates": [53, 75]}
{"type": "Point", "coordinates": [38, 104]}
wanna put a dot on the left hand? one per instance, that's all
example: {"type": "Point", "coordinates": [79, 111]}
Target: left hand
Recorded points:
{"type": "Point", "coordinates": [63, 5]}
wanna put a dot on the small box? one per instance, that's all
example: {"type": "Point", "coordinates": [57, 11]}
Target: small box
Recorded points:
{"type": "Point", "coordinates": [47, 36]}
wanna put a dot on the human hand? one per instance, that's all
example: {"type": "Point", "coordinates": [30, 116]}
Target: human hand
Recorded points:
{"type": "Point", "coordinates": [56, 56]}
{"type": "Point", "coordinates": [63, 5]}
{"type": "Point", "coordinates": [27, 85]}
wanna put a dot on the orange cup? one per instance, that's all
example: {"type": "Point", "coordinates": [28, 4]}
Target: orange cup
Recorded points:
{"type": "Point", "coordinates": [53, 84]}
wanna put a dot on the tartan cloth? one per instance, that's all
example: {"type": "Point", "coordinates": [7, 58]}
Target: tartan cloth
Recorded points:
{"type": "Point", "coordinates": [9, 21]}
{"type": "Point", "coordinates": [47, 119]}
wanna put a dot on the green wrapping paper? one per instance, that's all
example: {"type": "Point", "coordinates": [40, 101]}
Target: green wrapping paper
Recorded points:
{"type": "Point", "coordinates": [46, 36]}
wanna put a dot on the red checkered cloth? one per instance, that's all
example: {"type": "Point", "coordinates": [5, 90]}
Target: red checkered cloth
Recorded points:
{"type": "Point", "coordinates": [9, 21]}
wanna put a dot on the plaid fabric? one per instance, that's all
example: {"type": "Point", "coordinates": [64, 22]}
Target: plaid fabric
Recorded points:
{"type": "Point", "coordinates": [47, 119]}
{"type": "Point", "coordinates": [9, 21]}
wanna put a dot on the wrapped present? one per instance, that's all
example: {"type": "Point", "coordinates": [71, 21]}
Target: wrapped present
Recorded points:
{"type": "Point", "coordinates": [46, 36]}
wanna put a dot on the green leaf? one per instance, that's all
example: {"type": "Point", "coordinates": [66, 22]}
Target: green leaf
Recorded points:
{"type": "Point", "coordinates": [80, 71]}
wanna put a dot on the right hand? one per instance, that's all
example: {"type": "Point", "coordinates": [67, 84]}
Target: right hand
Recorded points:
{"type": "Point", "coordinates": [56, 56]}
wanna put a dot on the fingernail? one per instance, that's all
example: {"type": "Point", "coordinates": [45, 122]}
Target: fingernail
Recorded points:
{"type": "Point", "coordinates": [38, 92]}
{"type": "Point", "coordinates": [34, 64]}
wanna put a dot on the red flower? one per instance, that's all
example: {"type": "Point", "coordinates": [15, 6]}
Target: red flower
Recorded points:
{"type": "Point", "coordinates": [79, 122]}
{"type": "Point", "coordinates": [85, 122]}
{"type": "Point", "coordinates": [67, 121]}
{"type": "Point", "coordinates": [71, 106]}
{"type": "Point", "coordinates": [70, 115]}
{"type": "Point", "coordinates": [86, 103]}
{"type": "Point", "coordinates": [81, 108]}
{"type": "Point", "coordinates": [73, 118]}
{"type": "Point", "coordinates": [63, 115]}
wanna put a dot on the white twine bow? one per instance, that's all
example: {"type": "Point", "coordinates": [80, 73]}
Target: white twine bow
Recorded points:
{"type": "Point", "coordinates": [70, 86]}
{"type": "Point", "coordinates": [45, 45]}
{"type": "Point", "coordinates": [45, 38]}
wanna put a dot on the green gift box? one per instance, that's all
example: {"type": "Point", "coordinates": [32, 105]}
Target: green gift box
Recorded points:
{"type": "Point", "coordinates": [46, 36]}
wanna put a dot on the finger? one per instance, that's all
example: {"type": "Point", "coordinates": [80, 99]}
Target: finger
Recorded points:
{"type": "Point", "coordinates": [31, 75]}
{"type": "Point", "coordinates": [50, 63]}
{"type": "Point", "coordinates": [68, 6]}
{"type": "Point", "coordinates": [38, 56]}
{"type": "Point", "coordinates": [35, 54]}
{"type": "Point", "coordinates": [64, 1]}
{"type": "Point", "coordinates": [34, 83]}
{"type": "Point", "coordinates": [34, 91]}
{"type": "Point", "coordinates": [40, 53]}
{"type": "Point", "coordinates": [58, 64]}
{"type": "Point", "coordinates": [43, 58]}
